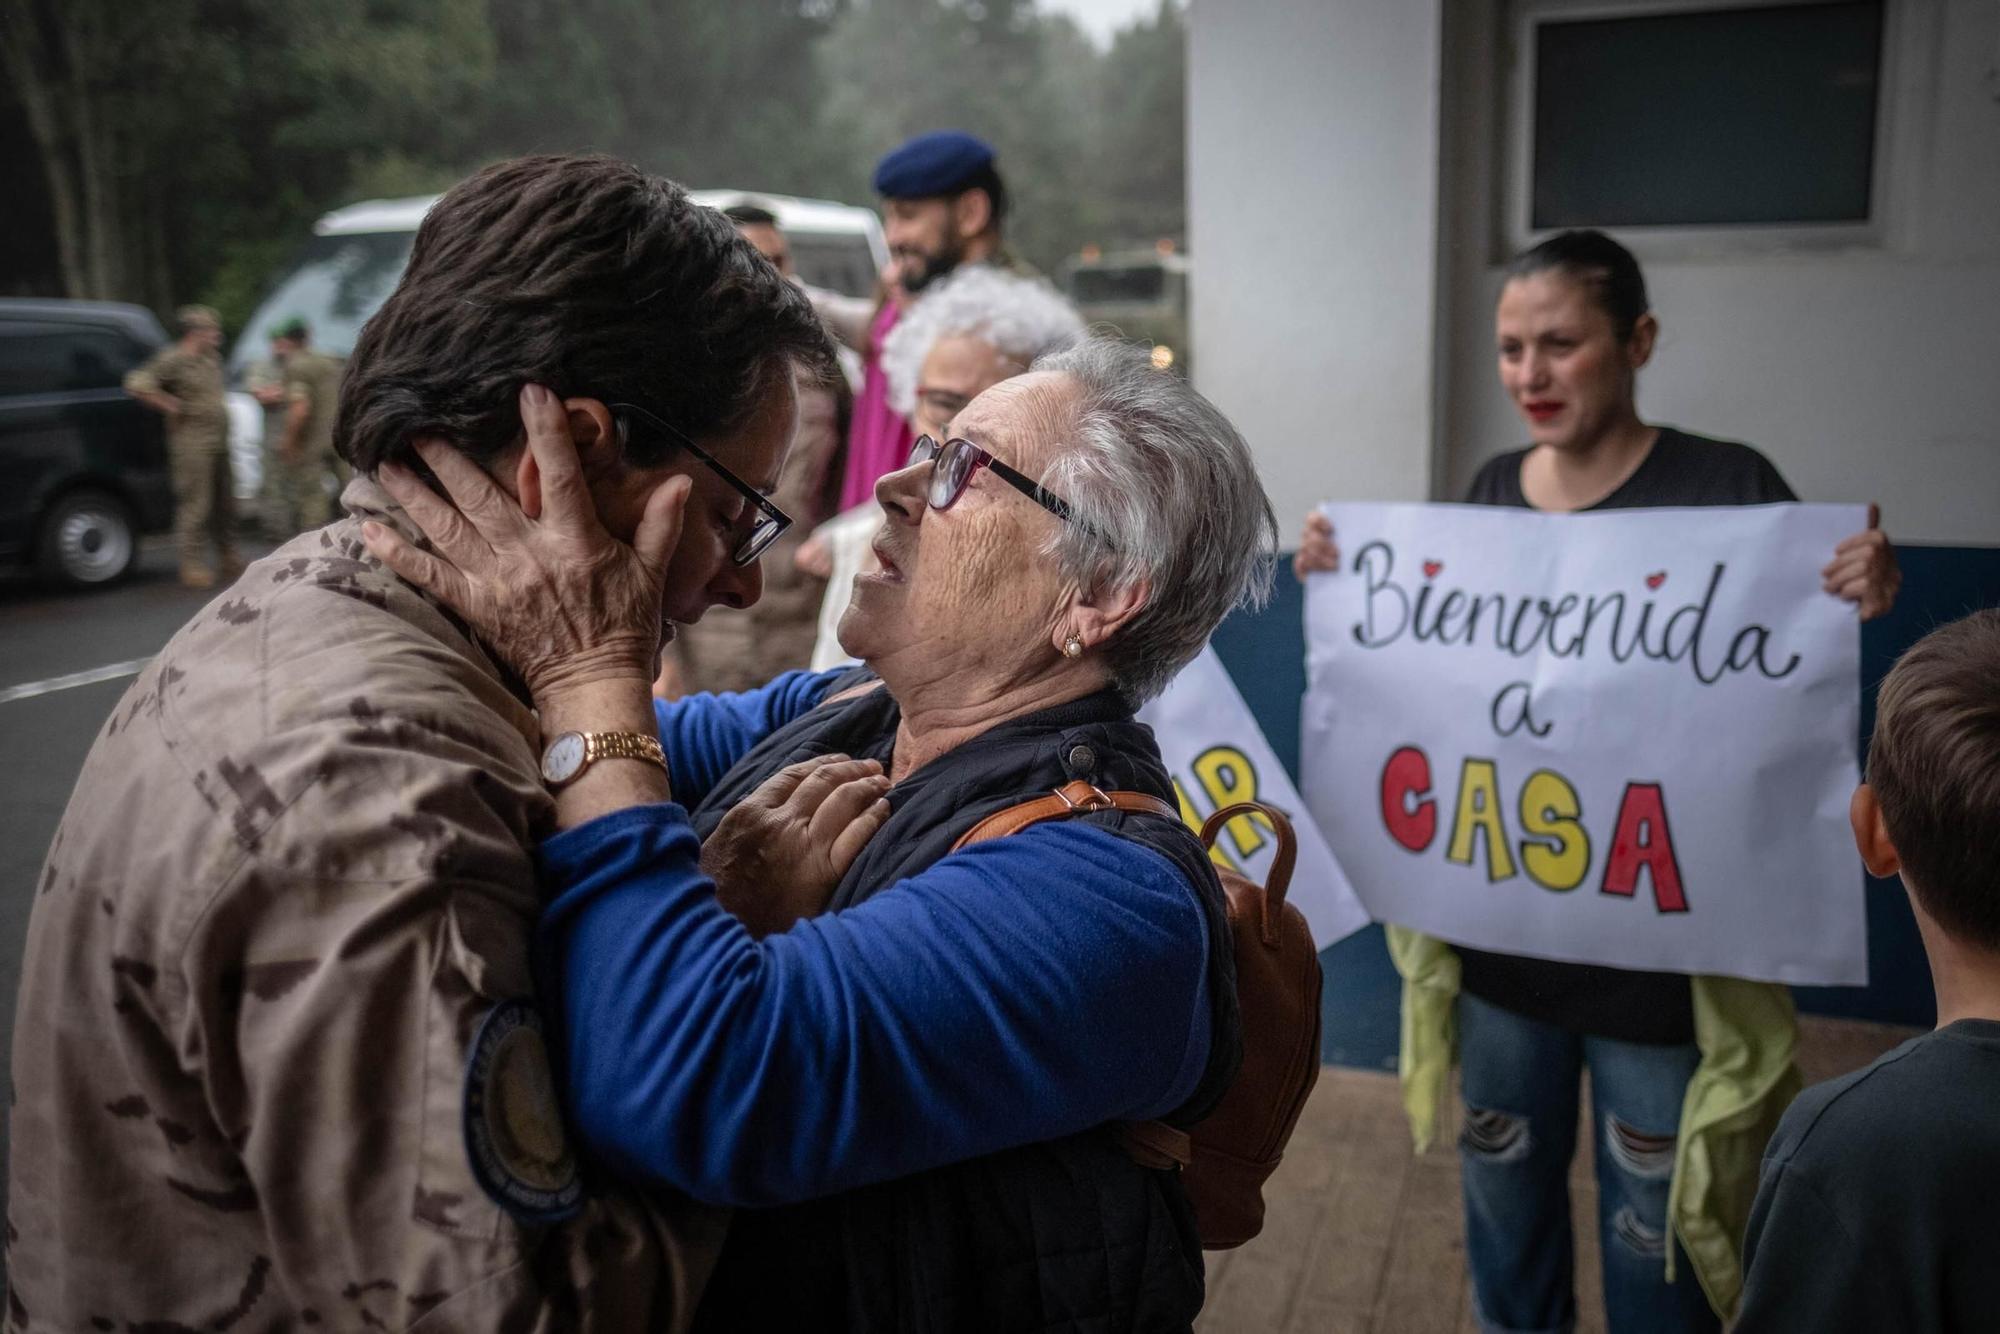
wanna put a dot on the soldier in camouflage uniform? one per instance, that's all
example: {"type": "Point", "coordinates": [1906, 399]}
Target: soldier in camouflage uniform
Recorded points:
{"type": "Point", "coordinates": [183, 382]}
{"type": "Point", "coordinates": [264, 380]}
{"type": "Point", "coordinates": [276, 1060]}
{"type": "Point", "coordinates": [304, 469]}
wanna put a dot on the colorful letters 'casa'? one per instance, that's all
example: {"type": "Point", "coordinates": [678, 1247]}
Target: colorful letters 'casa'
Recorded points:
{"type": "Point", "coordinates": [1555, 848]}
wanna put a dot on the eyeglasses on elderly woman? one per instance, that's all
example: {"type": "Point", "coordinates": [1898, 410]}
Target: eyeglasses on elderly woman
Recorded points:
{"type": "Point", "coordinates": [956, 462]}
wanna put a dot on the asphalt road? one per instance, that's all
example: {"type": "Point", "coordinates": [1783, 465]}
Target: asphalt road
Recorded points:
{"type": "Point", "coordinates": [46, 636]}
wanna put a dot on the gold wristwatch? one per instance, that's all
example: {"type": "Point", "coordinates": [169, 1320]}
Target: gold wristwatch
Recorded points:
{"type": "Point", "coordinates": [573, 752]}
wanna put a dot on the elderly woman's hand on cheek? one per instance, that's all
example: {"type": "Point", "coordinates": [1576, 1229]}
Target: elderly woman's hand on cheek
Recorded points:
{"type": "Point", "coordinates": [549, 591]}
{"type": "Point", "coordinates": [1864, 569]}
{"type": "Point", "coordinates": [781, 851]}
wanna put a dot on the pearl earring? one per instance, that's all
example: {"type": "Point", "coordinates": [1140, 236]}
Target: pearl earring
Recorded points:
{"type": "Point", "coordinates": [1072, 647]}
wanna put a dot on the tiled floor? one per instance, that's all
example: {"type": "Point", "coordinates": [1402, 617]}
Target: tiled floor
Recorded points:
{"type": "Point", "coordinates": [1364, 1237]}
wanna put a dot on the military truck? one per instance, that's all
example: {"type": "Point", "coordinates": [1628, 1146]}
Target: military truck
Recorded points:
{"type": "Point", "coordinates": [1143, 294]}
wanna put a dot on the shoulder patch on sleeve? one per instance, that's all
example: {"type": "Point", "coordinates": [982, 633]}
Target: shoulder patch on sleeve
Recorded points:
{"type": "Point", "coordinates": [514, 1133]}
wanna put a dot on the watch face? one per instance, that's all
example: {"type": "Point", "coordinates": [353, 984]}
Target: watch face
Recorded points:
{"type": "Point", "coordinates": [563, 758]}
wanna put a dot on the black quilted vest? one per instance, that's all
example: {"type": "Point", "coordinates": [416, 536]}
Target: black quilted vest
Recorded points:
{"type": "Point", "coordinates": [1068, 1236]}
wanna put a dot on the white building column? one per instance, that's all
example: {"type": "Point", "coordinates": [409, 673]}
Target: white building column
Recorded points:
{"type": "Point", "coordinates": [1313, 134]}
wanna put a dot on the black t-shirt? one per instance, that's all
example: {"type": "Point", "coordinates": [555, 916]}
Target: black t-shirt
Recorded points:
{"type": "Point", "coordinates": [1681, 469]}
{"type": "Point", "coordinates": [1875, 1207]}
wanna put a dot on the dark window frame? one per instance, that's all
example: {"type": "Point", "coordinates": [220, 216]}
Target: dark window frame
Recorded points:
{"type": "Point", "coordinates": [42, 329]}
{"type": "Point", "coordinates": [1515, 88]}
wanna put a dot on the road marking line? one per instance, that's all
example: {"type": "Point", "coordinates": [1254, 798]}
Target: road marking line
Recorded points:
{"type": "Point", "coordinates": [30, 689]}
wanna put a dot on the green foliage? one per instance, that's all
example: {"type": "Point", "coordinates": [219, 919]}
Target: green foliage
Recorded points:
{"type": "Point", "coordinates": [1139, 161]}
{"type": "Point", "coordinates": [228, 125]}
{"type": "Point", "coordinates": [1024, 83]}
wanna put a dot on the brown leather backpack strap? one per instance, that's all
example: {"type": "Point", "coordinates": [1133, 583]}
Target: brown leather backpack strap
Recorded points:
{"type": "Point", "coordinates": [1280, 878]}
{"type": "Point", "coordinates": [1155, 1144]}
{"type": "Point", "coordinates": [1014, 819]}
{"type": "Point", "coordinates": [1076, 798]}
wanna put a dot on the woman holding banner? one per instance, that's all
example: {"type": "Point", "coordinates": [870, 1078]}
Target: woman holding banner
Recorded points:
{"type": "Point", "coordinates": [1688, 1075]}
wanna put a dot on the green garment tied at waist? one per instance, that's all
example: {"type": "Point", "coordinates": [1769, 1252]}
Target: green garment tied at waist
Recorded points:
{"type": "Point", "coordinates": [1748, 1036]}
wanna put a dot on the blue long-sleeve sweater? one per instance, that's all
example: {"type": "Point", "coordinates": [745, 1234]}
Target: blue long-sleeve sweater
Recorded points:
{"type": "Point", "coordinates": [1019, 991]}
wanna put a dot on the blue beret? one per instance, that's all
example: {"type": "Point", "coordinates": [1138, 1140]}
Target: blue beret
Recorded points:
{"type": "Point", "coordinates": [938, 163]}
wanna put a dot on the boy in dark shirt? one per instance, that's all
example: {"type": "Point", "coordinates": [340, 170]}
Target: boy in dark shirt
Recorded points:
{"type": "Point", "coordinates": [1879, 1205]}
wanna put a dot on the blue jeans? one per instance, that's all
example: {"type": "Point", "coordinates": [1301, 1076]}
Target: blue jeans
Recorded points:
{"type": "Point", "coordinates": [1521, 1083]}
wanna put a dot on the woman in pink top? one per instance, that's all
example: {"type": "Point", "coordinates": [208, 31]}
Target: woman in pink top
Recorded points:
{"type": "Point", "coordinates": [878, 440]}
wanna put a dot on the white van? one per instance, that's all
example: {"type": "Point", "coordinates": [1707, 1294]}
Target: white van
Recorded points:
{"type": "Point", "coordinates": [357, 254]}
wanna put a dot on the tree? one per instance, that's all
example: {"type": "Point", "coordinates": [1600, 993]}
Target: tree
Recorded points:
{"type": "Point", "coordinates": [173, 132]}
{"type": "Point", "coordinates": [707, 94]}
{"type": "Point", "coordinates": [895, 68]}
{"type": "Point", "coordinates": [67, 62]}
{"type": "Point", "coordinates": [1139, 162]}
{"type": "Point", "coordinates": [186, 145]}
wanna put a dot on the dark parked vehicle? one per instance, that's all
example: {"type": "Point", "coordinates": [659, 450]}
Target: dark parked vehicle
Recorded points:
{"type": "Point", "coordinates": [83, 466]}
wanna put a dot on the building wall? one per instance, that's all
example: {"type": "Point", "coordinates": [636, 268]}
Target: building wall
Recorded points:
{"type": "Point", "coordinates": [1866, 373]}
{"type": "Point", "coordinates": [1313, 189]}
{"type": "Point", "coordinates": [1343, 162]}
{"type": "Point", "coordinates": [1346, 250]}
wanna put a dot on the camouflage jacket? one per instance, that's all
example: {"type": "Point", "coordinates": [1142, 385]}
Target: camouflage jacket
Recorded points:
{"type": "Point", "coordinates": [273, 1062]}
{"type": "Point", "coordinates": [195, 378]}
{"type": "Point", "coordinates": [314, 379]}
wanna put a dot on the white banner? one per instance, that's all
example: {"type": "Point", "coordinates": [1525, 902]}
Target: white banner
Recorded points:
{"type": "Point", "coordinates": [1622, 738]}
{"type": "Point", "coordinates": [1218, 756]}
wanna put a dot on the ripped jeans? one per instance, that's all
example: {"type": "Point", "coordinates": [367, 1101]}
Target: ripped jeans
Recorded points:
{"type": "Point", "coordinates": [1521, 1091]}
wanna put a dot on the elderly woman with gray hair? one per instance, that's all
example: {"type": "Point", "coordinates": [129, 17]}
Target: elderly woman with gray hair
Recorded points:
{"type": "Point", "coordinates": [789, 993]}
{"type": "Point", "coordinates": [980, 326]}
{"type": "Point", "coordinates": [966, 334]}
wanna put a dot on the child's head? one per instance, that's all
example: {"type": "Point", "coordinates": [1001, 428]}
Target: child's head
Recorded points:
{"type": "Point", "coordinates": [1930, 807]}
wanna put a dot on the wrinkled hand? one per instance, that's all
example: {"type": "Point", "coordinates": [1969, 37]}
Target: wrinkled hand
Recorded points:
{"type": "Point", "coordinates": [1864, 569]}
{"type": "Point", "coordinates": [779, 853]}
{"type": "Point", "coordinates": [1318, 553]}
{"type": "Point", "coordinates": [814, 557]}
{"type": "Point", "coordinates": [555, 596]}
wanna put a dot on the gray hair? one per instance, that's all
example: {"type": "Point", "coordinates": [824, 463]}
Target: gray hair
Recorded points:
{"type": "Point", "coordinates": [1021, 317]}
{"type": "Point", "coordinates": [1166, 493]}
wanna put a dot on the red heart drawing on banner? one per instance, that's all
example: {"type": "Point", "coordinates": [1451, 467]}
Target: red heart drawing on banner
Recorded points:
{"type": "Point", "coordinates": [1432, 568]}
{"type": "Point", "coordinates": [1656, 579]}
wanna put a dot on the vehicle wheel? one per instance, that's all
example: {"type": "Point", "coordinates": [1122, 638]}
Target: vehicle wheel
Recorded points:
{"type": "Point", "coordinates": [86, 539]}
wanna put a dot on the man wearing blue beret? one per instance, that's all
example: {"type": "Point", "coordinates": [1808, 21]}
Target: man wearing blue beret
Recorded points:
{"type": "Point", "coordinates": [942, 206]}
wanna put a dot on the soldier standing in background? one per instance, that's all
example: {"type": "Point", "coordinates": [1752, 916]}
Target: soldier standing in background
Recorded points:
{"type": "Point", "coordinates": [759, 226]}
{"type": "Point", "coordinates": [265, 380]}
{"type": "Point", "coordinates": [183, 382]}
{"type": "Point", "coordinates": [308, 473]}
{"type": "Point", "coordinates": [943, 206]}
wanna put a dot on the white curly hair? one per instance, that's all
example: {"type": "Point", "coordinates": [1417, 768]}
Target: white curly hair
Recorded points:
{"type": "Point", "coordinates": [1022, 318]}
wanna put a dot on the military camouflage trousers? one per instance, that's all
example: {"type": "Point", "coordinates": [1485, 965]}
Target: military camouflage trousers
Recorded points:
{"type": "Point", "coordinates": [204, 501]}
{"type": "Point", "coordinates": [301, 495]}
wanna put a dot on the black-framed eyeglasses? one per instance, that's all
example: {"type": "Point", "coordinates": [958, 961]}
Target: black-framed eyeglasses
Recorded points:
{"type": "Point", "coordinates": [956, 462]}
{"type": "Point", "coordinates": [771, 521]}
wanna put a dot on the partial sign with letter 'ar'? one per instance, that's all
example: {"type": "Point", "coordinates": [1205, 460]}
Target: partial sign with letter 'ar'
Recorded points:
{"type": "Point", "coordinates": [1218, 757]}
{"type": "Point", "coordinates": [1623, 738]}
